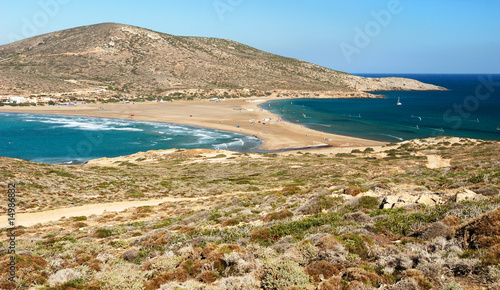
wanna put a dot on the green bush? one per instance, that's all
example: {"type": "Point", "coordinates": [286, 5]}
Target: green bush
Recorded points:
{"type": "Point", "coordinates": [103, 233]}
{"type": "Point", "coordinates": [369, 202]}
{"type": "Point", "coordinates": [79, 218]}
{"type": "Point", "coordinates": [284, 274]}
{"type": "Point", "coordinates": [356, 244]}
{"type": "Point", "coordinates": [278, 215]}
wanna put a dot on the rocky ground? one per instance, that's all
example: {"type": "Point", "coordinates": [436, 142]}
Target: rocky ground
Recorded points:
{"type": "Point", "coordinates": [422, 214]}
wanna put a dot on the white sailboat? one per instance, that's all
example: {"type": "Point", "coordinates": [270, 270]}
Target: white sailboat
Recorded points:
{"type": "Point", "coordinates": [399, 102]}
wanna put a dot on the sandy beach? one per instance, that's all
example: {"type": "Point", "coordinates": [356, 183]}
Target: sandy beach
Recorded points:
{"type": "Point", "coordinates": [236, 115]}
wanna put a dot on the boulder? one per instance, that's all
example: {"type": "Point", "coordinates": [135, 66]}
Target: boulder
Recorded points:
{"type": "Point", "coordinates": [428, 199]}
{"type": "Point", "coordinates": [465, 195]}
{"type": "Point", "coordinates": [389, 201]}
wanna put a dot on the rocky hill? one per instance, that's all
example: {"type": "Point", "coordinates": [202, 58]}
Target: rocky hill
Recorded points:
{"type": "Point", "coordinates": [124, 59]}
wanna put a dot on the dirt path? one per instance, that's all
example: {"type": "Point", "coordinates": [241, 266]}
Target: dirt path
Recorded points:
{"type": "Point", "coordinates": [436, 161]}
{"type": "Point", "coordinates": [30, 219]}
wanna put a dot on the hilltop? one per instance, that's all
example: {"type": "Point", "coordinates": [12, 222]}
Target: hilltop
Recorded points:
{"type": "Point", "coordinates": [125, 60]}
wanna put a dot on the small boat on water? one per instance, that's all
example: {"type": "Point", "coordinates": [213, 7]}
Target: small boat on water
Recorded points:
{"type": "Point", "coordinates": [399, 102]}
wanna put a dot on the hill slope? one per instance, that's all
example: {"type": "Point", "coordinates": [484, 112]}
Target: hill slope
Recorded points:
{"type": "Point", "coordinates": [128, 59]}
{"type": "Point", "coordinates": [223, 220]}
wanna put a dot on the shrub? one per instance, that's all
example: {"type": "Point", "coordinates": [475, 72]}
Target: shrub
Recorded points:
{"type": "Point", "coordinates": [358, 217]}
{"type": "Point", "coordinates": [368, 202]}
{"type": "Point", "coordinates": [406, 284]}
{"type": "Point", "coordinates": [437, 229]}
{"type": "Point", "coordinates": [323, 268]}
{"type": "Point", "coordinates": [352, 190]}
{"type": "Point", "coordinates": [163, 264]}
{"type": "Point", "coordinates": [247, 282]}
{"type": "Point", "coordinates": [453, 286]}
{"type": "Point", "coordinates": [79, 218]}
{"type": "Point", "coordinates": [278, 215]}
{"type": "Point", "coordinates": [130, 255]}
{"type": "Point", "coordinates": [361, 275]}
{"type": "Point", "coordinates": [355, 244]}
{"type": "Point", "coordinates": [327, 243]}
{"type": "Point", "coordinates": [191, 285]}
{"type": "Point", "coordinates": [290, 190]}
{"type": "Point", "coordinates": [283, 274]}
{"type": "Point", "coordinates": [302, 253]}
{"type": "Point", "coordinates": [103, 233]}
{"type": "Point", "coordinates": [121, 277]}
{"type": "Point", "coordinates": [261, 235]}
{"type": "Point", "coordinates": [230, 222]}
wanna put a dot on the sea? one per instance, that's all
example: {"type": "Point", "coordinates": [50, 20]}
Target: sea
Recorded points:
{"type": "Point", "coordinates": [469, 108]}
{"type": "Point", "coordinates": [72, 140]}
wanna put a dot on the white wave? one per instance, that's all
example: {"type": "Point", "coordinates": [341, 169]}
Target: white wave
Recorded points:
{"type": "Point", "coordinates": [395, 137]}
{"type": "Point", "coordinates": [237, 143]}
{"type": "Point", "coordinates": [89, 125]}
{"type": "Point", "coordinates": [127, 129]}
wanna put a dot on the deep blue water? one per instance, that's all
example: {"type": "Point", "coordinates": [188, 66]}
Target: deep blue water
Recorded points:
{"type": "Point", "coordinates": [471, 108]}
{"type": "Point", "coordinates": [68, 139]}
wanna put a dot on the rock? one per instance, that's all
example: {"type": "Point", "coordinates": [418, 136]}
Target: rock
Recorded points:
{"type": "Point", "coordinates": [63, 276]}
{"type": "Point", "coordinates": [130, 255]}
{"type": "Point", "coordinates": [389, 202]}
{"type": "Point", "coordinates": [388, 84]}
{"type": "Point", "coordinates": [465, 195]}
{"type": "Point", "coordinates": [428, 199]}
{"type": "Point", "coordinates": [369, 193]}
{"type": "Point", "coordinates": [406, 199]}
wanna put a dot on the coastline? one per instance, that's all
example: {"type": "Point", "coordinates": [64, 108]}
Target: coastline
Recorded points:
{"type": "Point", "coordinates": [234, 115]}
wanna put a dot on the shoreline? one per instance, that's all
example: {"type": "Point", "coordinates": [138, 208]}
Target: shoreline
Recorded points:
{"type": "Point", "coordinates": [240, 115]}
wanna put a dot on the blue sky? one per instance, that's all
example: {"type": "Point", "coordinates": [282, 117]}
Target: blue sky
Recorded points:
{"type": "Point", "coordinates": [356, 36]}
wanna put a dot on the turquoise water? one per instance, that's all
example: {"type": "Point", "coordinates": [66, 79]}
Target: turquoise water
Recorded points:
{"type": "Point", "coordinates": [471, 108]}
{"type": "Point", "coordinates": [67, 139]}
